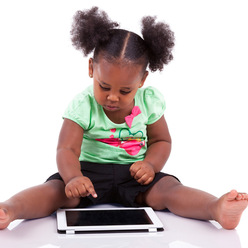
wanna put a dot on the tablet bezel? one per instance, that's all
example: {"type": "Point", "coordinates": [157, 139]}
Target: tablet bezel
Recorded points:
{"type": "Point", "coordinates": [62, 226]}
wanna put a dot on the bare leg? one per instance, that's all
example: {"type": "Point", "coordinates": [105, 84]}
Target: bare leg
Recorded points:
{"type": "Point", "coordinates": [193, 203]}
{"type": "Point", "coordinates": [35, 202]}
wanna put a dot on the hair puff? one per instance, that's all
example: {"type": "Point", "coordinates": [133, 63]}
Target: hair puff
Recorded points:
{"type": "Point", "coordinates": [89, 28]}
{"type": "Point", "coordinates": [159, 40]}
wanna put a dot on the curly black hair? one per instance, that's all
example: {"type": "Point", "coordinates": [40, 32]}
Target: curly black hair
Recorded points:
{"type": "Point", "coordinates": [92, 30]}
{"type": "Point", "coordinates": [159, 40]}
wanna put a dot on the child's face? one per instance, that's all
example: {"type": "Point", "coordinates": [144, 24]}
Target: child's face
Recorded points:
{"type": "Point", "coordinates": [115, 85]}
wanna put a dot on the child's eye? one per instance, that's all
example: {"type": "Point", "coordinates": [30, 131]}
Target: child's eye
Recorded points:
{"type": "Point", "coordinates": [125, 92]}
{"type": "Point", "coordinates": [104, 88]}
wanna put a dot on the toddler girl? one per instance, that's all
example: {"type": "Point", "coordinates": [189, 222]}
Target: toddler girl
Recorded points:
{"type": "Point", "coordinates": [114, 140]}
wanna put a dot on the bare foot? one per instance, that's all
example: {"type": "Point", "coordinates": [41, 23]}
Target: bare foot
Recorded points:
{"type": "Point", "coordinates": [230, 208]}
{"type": "Point", "coordinates": [4, 218]}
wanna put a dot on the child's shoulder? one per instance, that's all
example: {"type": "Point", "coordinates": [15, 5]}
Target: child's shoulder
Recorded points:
{"type": "Point", "coordinates": [150, 94]}
{"type": "Point", "coordinates": [152, 103]}
{"type": "Point", "coordinates": [87, 92]}
{"type": "Point", "coordinates": [82, 101]}
{"type": "Point", "coordinates": [84, 97]}
{"type": "Point", "coordinates": [80, 108]}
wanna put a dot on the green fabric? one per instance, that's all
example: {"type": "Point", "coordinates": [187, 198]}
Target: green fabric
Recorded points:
{"type": "Point", "coordinates": [108, 142]}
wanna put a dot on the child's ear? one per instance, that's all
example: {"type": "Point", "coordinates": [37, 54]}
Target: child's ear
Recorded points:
{"type": "Point", "coordinates": [143, 79]}
{"type": "Point", "coordinates": [91, 67]}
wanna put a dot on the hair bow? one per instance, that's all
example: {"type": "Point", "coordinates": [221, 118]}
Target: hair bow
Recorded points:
{"type": "Point", "coordinates": [129, 119]}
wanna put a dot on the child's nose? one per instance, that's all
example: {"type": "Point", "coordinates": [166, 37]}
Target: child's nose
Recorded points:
{"type": "Point", "coordinates": [113, 98]}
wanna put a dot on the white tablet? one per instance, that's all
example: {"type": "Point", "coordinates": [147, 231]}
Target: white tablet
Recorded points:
{"type": "Point", "coordinates": [89, 220]}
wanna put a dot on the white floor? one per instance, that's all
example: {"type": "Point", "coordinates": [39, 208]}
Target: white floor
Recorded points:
{"type": "Point", "coordinates": [179, 233]}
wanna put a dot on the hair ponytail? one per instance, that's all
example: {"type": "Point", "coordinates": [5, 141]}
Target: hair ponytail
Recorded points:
{"type": "Point", "coordinates": [159, 40]}
{"type": "Point", "coordinates": [89, 28]}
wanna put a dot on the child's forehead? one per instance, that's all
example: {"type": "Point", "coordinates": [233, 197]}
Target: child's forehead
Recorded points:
{"type": "Point", "coordinates": [121, 65]}
{"type": "Point", "coordinates": [123, 73]}
{"type": "Point", "coordinates": [126, 72]}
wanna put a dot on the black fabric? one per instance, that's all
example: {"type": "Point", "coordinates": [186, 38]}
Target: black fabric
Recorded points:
{"type": "Point", "coordinates": [113, 184]}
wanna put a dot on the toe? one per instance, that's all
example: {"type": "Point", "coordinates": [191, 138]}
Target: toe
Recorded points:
{"type": "Point", "coordinates": [232, 195]}
{"type": "Point", "coordinates": [4, 219]}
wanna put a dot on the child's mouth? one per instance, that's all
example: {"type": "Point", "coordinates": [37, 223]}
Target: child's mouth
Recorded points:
{"type": "Point", "coordinates": [110, 108]}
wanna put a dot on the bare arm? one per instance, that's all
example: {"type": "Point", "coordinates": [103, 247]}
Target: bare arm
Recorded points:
{"type": "Point", "coordinates": [159, 147]}
{"type": "Point", "coordinates": [159, 144]}
{"type": "Point", "coordinates": [68, 152]}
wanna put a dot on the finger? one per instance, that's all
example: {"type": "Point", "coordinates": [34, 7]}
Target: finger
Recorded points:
{"type": "Point", "coordinates": [142, 179]}
{"type": "Point", "coordinates": [137, 173]}
{"type": "Point", "coordinates": [75, 192]}
{"type": "Point", "coordinates": [91, 190]}
{"type": "Point", "coordinates": [146, 179]}
{"type": "Point", "coordinates": [134, 169]}
{"type": "Point", "coordinates": [68, 193]}
{"type": "Point", "coordinates": [149, 180]}
{"type": "Point", "coordinates": [140, 174]}
{"type": "Point", "coordinates": [82, 190]}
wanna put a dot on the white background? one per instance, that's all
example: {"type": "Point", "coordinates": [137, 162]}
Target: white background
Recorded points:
{"type": "Point", "coordinates": [205, 87]}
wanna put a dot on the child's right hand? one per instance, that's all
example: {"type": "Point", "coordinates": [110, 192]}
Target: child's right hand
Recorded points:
{"type": "Point", "coordinates": [80, 186]}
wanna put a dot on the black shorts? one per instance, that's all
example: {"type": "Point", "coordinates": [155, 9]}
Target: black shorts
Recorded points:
{"type": "Point", "coordinates": [113, 184]}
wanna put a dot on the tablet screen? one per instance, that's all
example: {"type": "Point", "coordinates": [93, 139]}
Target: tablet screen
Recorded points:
{"type": "Point", "coordinates": [107, 217]}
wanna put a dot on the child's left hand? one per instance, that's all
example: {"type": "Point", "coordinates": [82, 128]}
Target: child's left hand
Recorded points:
{"type": "Point", "coordinates": [142, 172]}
